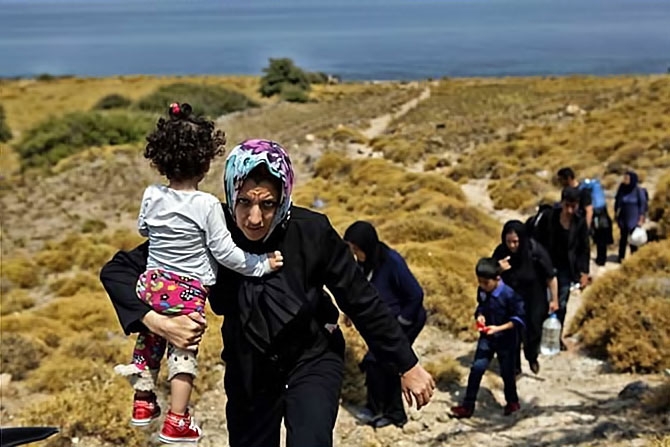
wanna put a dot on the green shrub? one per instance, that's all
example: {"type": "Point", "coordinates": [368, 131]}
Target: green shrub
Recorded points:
{"type": "Point", "coordinates": [280, 73]}
{"type": "Point", "coordinates": [62, 136]}
{"type": "Point", "coordinates": [317, 77]}
{"type": "Point", "coordinates": [113, 101]}
{"type": "Point", "coordinates": [293, 93]}
{"type": "Point", "coordinates": [5, 132]}
{"type": "Point", "coordinates": [209, 100]}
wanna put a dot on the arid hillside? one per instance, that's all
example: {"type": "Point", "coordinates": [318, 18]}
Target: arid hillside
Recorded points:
{"type": "Point", "coordinates": [436, 165]}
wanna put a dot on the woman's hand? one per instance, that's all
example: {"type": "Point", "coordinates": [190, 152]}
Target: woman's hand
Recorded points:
{"type": "Point", "coordinates": [584, 281]}
{"type": "Point", "coordinates": [419, 384]}
{"type": "Point", "coordinates": [553, 306]}
{"type": "Point", "coordinates": [183, 331]}
{"type": "Point", "coordinates": [504, 264]}
{"type": "Point", "coordinates": [276, 260]}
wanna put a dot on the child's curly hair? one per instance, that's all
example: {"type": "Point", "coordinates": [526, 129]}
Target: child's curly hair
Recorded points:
{"type": "Point", "coordinates": [183, 146]}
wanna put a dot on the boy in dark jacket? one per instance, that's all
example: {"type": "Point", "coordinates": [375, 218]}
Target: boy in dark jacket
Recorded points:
{"type": "Point", "coordinates": [500, 316]}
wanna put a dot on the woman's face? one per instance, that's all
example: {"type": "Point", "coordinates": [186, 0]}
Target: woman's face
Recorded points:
{"type": "Point", "coordinates": [358, 253]}
{"type": "Point", "coordinates": [256, 207]}
{"type": "Point", "coordinates": [626, 179]}
{"type": "Point", "coordinates": [512, 241]}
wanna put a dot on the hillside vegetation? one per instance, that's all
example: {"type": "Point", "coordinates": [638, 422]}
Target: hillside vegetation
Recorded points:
{"type": "Point", "coordinates": [61, 224]}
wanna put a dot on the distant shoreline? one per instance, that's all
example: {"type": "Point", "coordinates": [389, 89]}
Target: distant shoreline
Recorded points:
{"type": "Point", "coordinates": [55, 77]}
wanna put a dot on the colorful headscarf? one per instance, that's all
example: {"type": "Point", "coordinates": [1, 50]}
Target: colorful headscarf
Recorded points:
{"type": "Point", "coordinates": [250, 154]}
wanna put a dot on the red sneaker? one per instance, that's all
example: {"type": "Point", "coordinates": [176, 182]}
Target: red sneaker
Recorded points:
{"type": "Point", "coordinates": [512, 408]}
{"type": "Point", "coordinates": [462, 411]}
{"type": "Point", "coordinates": [145, 411]}
{"type": "Point", "coordinates": [178, 428]}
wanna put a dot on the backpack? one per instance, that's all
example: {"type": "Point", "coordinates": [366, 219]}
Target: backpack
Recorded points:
{"type": "Point", "coordinates": [533, 222]}
{"type": "Point", "coordinates": [598, 199]}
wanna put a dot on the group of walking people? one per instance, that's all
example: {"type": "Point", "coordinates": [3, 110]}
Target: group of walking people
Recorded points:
{"type": "Point", "coordinates": [271, 267]}
{"type": "Point", "coordinates": [532, 271]}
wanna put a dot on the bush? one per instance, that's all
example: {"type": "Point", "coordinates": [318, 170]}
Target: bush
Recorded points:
{"type": "Point", "coordinates": [626, 313]}
{"type": "Point", "coordinates": [71, 410]}
{"type": "Point", "coordinates": [446, 372]}
{"type": "Point", "coordinates": [19, 354]}
{"type": "Point", "coordinates": [659, 208]}
{"type": "Point", "coordinates": [317, 77]}
{"type": "Point", "coordinates": [5, 132]}
{"type": "Point", "coordinates": [113, 101]}
{"type": "Point", "coordinates": [208, 100]}
{"type": "Point", "coordinates": [59, 137]}
{"type": "Point", "coordinates": [21, 272]}
{"type": "Point", "coordinates": [280, 74]}
{"type": "Point", "coordinates": [71, 285]}
{"type": "Point", "coordinates": [15, 300]}
{"type": "Point", "coordinates": [93, 226]}
{"type": "Point", "coordinates": [294, 93]}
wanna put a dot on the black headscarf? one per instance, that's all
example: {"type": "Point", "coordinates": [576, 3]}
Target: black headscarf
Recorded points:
{"type": "Point", "coordinates": [364, 236]}
{"type": "Point", "coordinates": [523, 254]}
{"type": "Point", "coordinates": [625, 189]}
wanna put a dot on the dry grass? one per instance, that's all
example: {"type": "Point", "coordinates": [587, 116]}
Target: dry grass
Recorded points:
{"type": "Point", "coordinates": [446, 371]}
{"type": "Point", "coordinates": [516, 131]}
{"type": "Point", "coordinates": [660, 441]}
{"type": "Point", "coordinates": [423, 216]}
{"type": "Point", "coordinates": [60, 227]}
{"type": "Point", "coordinates": [15, 300]}
{"type": "Point", "coordinates": [626, 313]}
{"type": "Point", "coordinates": [659, 208]}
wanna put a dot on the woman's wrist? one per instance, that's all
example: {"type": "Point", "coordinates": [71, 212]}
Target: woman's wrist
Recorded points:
{"type": "Point", "coordinates": [152, 321]}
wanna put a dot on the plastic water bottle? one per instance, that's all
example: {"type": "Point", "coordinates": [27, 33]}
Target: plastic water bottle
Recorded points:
{"type": "Point", "coordinates": [551, 336]}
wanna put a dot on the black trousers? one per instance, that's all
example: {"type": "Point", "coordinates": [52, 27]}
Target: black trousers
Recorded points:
{"type": "Point", "coordinates": [384, 391]}
{"type": "Point", "coordinates": [623, 243]}
{"type": "Point", "coordinates": [602, 234]}
{"type": "Point", "coordinates": [537, 310]}
{"type": "Point", "coordinates": [308, 401]}
{"type": "Point", "coordinates": [486, 349]}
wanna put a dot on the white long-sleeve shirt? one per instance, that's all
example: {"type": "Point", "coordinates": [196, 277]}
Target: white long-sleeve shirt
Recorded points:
{"type": "Point", "coordinates": [188, 235]}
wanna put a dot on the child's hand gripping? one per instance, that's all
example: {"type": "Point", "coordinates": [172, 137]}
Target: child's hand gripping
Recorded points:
{"type": "Point", "coordinates": [276, 260]}
{"type": "Point", "coordinates": [481, 324]}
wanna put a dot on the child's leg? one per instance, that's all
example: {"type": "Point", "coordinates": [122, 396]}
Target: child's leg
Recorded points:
{"type": "Point", "coordinates": [483, 357]}
{"type": "Point", "coordinates": [506, 358]}
{"type": "Point", "coordinates": [142, 372]}
{"type": "Point", "coordinates": [182, 369]}
{"type": "Point", "coordinates": [149, 350]}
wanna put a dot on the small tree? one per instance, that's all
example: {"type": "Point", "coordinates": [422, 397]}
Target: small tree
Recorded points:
{"type": "Point", "coordinates": [280, 73]}
{"type": "Point", "coordinates": [5, 132]}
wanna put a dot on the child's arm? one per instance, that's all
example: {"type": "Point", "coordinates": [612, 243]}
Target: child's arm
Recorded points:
{"type": "Point", "coordinates": [221, 245]}
{"type": "Point", "coordinates": [516, 311]}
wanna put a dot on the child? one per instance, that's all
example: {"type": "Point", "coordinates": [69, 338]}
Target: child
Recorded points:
{"type": "Point", "coordinates": [187, 237]}
{"type": "Point", "coordinates": [499, 317]}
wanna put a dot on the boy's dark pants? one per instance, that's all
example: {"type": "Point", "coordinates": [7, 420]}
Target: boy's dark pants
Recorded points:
{"type": "Point", "coordinates": [487, 347]}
